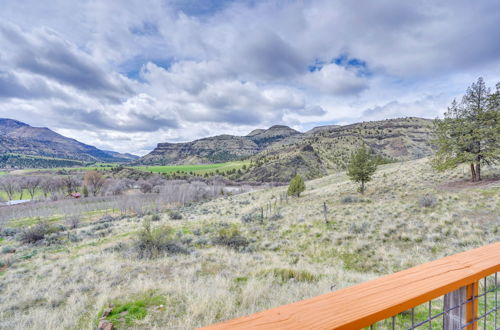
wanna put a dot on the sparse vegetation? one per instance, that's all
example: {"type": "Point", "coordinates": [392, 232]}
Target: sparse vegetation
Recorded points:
{"type": "Point", "coordinates": [230, 256]}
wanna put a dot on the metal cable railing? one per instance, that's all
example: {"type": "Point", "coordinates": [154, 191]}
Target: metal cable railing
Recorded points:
{"type": "Point", "coordinates": [484, 309]}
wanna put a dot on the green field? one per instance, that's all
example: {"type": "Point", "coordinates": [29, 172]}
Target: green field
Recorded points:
{"type": "Point", "coordinates": [2, 173]}
{"type": "Point", "coordinates": [197, 169]}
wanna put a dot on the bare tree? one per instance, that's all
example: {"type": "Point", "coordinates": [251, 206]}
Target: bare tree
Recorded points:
{"type": "Point", "coordinates": [145, 186]}
{"type": "Point", "coordinates": [10, 185]}
{"type": "Point", "coordinates": [94, 181]}
{"type": "Point", "coordinates": [22, 183]}
{"type": "Point", "coordinates": [115, 187]}
{"type": "Point", "coordinates": [50, 185]}
{"type": "Point", "coordinates": [32, 184]}
{"type": "Point", "coordinates": [70, 183]}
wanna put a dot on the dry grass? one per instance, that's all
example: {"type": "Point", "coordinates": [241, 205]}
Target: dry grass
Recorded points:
{"type": "Point", "coordinates": [289, 258]}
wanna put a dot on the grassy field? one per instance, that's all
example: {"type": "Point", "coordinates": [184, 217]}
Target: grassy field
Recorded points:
{"type": "Point", "coordinates": [196, 169]}
{"type": "Point", "coordinates": [167, 169]}
{"type": "Point", "coordinates": [234, 264]}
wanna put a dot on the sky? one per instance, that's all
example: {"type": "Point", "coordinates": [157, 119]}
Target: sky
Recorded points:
{"type": "Point", "coordinates": [126, 75]}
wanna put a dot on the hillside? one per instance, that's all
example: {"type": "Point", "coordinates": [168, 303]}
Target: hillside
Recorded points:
{"type": "Point", "coordinates": [280, 152]}
{"type": "Point", "coordinates": [217, 149]}
{"type": "Point", "coordinates": [223, 260]}
{"type": "Point", "coordinates": [17, 138]}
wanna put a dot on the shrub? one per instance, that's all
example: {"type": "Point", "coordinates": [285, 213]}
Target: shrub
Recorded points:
{"type": "Point", "coordinates": [296, 187]}
{"type": "Point", "coordinates": [175, 215]}
{"type": "Point", "coordinates": [283, 275]}
{"type": "Point", "coordinates": [73, 221]}
{"type": "Point", "coordinates": [254, 215]}
{"type": "Point", "coordinates": [231, 237]}
{"type": "Point", "coordinates": [154, 242]}
{"type": "Point", "coordinates": [36, 233]}
{"type": "Point", "coordinates": [427, 201]}
{"type": "Point", "coordinates": [155, 217]}
{"type": "Point", "coordinates": [276, 216]}
{"type": "Point", "coordinates": [8, 249]}
{"type": "Point", "coordinates": [349, 199]}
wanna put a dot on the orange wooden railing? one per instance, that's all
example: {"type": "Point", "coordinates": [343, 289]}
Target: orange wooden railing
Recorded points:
{"type": "Point", "coordinates": [367, 303]}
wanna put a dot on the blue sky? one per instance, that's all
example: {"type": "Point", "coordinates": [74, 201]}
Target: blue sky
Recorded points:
{"type": "Point", "coordinates": [126, 75]}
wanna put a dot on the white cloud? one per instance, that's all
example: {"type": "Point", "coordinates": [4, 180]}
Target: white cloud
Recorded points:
{"type": "Point", "coordinates": [216, 67]}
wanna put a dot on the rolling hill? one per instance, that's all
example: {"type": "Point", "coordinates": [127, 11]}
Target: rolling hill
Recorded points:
{"type": "Point", "coordinates": [280, 152]}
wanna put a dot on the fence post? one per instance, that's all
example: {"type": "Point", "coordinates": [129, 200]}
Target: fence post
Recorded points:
{"type": "Point", "coordinates": [472, 307]}
{"type": "Point", "coordinates": [457, 312]}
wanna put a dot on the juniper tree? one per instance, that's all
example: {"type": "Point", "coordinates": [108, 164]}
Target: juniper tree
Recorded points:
{"type": "Point", "coordinates": [361, 167]}
{"type": "Point", "coordinates": [470, 131]}
{"type": "Point", "coordinates": [296, 187]}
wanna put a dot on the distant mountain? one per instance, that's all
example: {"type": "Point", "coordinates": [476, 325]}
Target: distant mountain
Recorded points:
{"type": "Point", "coordinates": [280, 152]}
{"type": "Point", "coordinates": [217, 149]}
{"type": "Point", "coordinates": [22, 141]}
{"type": "Point", "coordinates": [123, 156]}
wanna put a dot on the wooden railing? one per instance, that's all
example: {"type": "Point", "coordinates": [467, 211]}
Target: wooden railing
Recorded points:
{"type": "Point", "coordinates": [456, 277]}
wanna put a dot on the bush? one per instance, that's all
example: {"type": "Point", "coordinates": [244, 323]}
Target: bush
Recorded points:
{"type": "Point", "coordinates": [154, 242]}
{"type": "Point", "coordinates": [283, 275]}
{"type": "Point", "coordinates": [36, 233]}
{"type": "Point", "coordinates": [175, 215]}
{"type": "Point", "coordinates": [73, 221]}
{"type": "Point", "coordinates": [349, 199]}
{"type": "Point", "coordinates": [254, 215]}
{"type": "Point", "coordinates": [231, 237]}
{"type": "Point", "coordinates": [8, 249]}
{"type": "Point", "coordinates": [155, 217]}
{"type": "Point", "coordinates": [427, 201]}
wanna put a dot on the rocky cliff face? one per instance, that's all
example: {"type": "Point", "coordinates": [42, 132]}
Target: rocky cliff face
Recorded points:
{"type": "Point", "coordinates": [217, 149]}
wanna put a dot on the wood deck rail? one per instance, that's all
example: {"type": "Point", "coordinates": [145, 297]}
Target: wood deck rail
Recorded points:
{"type": "Point", "coordinates": [367, 303]}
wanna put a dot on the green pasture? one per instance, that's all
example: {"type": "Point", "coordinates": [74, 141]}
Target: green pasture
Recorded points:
{"type": "Point", "coordinates": [196, 169]}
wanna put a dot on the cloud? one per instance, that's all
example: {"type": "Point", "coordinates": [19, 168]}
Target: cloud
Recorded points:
{"type": "Point", "coordinates": [335, 79]}
{"type": "Point", "coordinates": [45, 53]}
{"type": "Point", "coordinates": [176, 70]}
{"type": "Point", "coordinates": [430, 106]}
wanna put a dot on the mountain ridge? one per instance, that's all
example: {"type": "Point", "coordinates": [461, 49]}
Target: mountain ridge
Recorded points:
{"type": "Point", "coordinates": [279, 152]}
{"type": "Point", "coordinates": [18, 138]}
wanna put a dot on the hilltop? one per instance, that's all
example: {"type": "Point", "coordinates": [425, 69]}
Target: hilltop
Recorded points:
{"type": "Point", "coordinates": [216, 149]}
{"type": "Point", "coordinates": [21, 143]}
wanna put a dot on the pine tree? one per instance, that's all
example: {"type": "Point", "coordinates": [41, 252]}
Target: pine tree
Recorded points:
{"type": "Point", "coordinates": [297, 186]}
{"type": "Point", "coordinates": [361, 167]}
{"type": "Point", "coordinates": [469, 132]}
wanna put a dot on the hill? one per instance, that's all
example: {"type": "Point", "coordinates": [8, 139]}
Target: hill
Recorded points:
{"type": "Point", "coordinates": [216, 149]}
{"type": "Point", "coordinates": [280, 152]}
{"type": "Point", "coordinates": [223, 260]}
{"type": "Point", "coordinates": [18, 138]}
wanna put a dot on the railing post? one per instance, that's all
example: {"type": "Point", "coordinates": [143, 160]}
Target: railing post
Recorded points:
{"type": "Point", "coordinates": [457, 313]}
{"type": "Point", "coordinates": [472, 307]}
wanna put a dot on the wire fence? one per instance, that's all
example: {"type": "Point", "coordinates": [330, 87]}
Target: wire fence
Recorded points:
{"type": "Point", "coordinates": [472, 307]}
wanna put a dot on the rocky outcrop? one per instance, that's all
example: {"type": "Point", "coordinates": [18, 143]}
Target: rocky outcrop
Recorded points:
{"type": "Point", "coordinates": [217, 149]}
